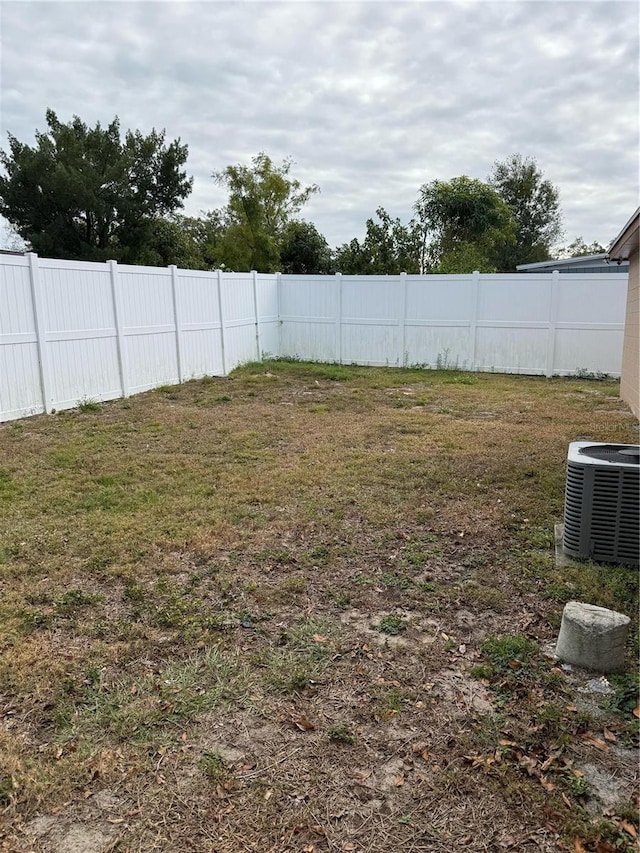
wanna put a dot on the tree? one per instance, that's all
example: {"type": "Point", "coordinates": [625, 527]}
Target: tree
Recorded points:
{"type": "Point", "coordinates": [464, 225]}
{"type": "Point", "coordinates": [534, 204]}
{"type": "Point", "coordinates": [84, 193]}
{"type": "Point", "coordinates": [578, 249]}
{"type": "Point", "coordinates": [203, 234]}
{"type": "Point", "coordinates": [169, 242]}
{"type": "Point", "coordinates": [305, 250]}
{"type": "Point", "coordinates": [263, 199]}
{"type": "Point", "coordinates": [388, 248]}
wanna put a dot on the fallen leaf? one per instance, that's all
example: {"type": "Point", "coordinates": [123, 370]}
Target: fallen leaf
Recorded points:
{"type": "Point", "coordinates": [578, 846]}
{"type": "Point", "coordinates": [398, 781]}
{"type": "Point", "coordinates": [609, 736]}
{"type": "Point", "coordinates": [566, 800]}
{"type": "Point", "coordinates": [636, 711]}
{"type": "Point", "coordinates": [548, 786]}
{"type": "Point", "coordinates": [547, 764]}
{"type": "Point", "coordinates": [605, 847]}
{"type": "Point", "coordinates": [629, 828]}
{"type": "Point", "coordinates": [347, 845]}
{"type": "Point", "coordinates": [115, 820]}
{"type": "Point", "coordinates": [361, 775]}
{"type": "Point", "coordinates": [304, 724]}
{"type": "Point", "coordinates": [595, 741]}
{"type": "Point", "coordinates": [318, 638]}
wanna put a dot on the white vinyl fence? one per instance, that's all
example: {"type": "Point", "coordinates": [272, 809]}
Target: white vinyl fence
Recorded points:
{"type": "Point", "coordinates": [74, 330]}
{"type": "Point", "coordinates": [509, 323]}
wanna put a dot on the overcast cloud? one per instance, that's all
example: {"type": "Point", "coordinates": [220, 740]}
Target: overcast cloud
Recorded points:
{"type": "Point", "coordinates": [370, 99]}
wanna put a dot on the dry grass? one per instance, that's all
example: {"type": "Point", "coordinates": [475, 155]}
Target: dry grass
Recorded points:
{"type": "Point", "coordinates": [260, 614]}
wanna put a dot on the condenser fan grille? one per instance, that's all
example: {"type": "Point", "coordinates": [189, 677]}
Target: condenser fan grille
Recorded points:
{"type": "Point", "coordinates": [622, 453]}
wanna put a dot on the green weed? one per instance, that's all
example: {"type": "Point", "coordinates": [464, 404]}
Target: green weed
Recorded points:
{"type": "Point", "coordinates": [341, 733]}
{"type": "Point", "coordinates": [392, 625]}
{"type": "Point", "coordinates": [87, 405]}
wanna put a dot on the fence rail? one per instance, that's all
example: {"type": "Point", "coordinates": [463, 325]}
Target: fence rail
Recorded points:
{"type": "Point", "coordinates": [76, 330]}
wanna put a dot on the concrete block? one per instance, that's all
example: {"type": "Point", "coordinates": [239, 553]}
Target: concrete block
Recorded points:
{"type": "Point", "coordinates": [592, 637]}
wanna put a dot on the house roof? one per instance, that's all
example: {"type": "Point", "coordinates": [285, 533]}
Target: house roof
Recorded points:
{"type": "Point", "coordinates": [626, 241]}
{"type": "Point", "coordinates": [563, 262]}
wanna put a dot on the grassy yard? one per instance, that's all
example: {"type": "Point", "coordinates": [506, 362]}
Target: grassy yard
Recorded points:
{"type": "Point", "coordinates": [307, 608]}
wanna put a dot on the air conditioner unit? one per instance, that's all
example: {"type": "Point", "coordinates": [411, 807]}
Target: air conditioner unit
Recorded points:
{"type": "Point", "coordinates": [601, 506]}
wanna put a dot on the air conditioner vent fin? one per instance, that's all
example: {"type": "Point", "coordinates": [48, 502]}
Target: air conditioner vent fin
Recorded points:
{"type": "Point", "coordinates": [602, 513]}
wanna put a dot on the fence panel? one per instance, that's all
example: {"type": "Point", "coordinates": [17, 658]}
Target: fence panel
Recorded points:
{"type": "Point", "coordinates": [588, 326]}
{"type": "Point", "coordinates": [20, 386]}
{"type": "Point", "coordinates": [198, 308]}
{"type": "Point", "coordinates": [80, 332]}
{"type": "Point", "coordinates": [438, 319]}
{"type": "Point", "coordinates": [238, 310]}
{"type": "Point", "coordinates": [268, 315]}
{"type": "Point", "coordinates": [309, 317]}
{"type": "Point", "coordinates": [371, 321]}
{"type": "Point", "coordinates": [148, 327]}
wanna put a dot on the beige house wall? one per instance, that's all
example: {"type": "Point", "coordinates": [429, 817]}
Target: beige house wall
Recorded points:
{"type": "Point", "coordinates": [630, 378]}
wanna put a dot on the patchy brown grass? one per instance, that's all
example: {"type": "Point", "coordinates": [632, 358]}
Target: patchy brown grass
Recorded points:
{"type": "Point", "coordinates": [305, 608]}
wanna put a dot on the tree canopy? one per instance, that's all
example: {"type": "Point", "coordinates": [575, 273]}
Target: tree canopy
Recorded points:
{"type": "Point", "coordinates": [389, 247]}
{"type": "Point", "coordinates": [535, 206]}
{"type": "Point", "coordinates": [263, 200]}
{"type": "Point", "coordinates": [85, 193]}
{"type": "Point", "coordinates": [89, 193]}
{"type": "Point", "coordinates": [578, 249]}
{"type": "Point", "coordinates": [304, 250]}
{"type": "Point", "coordinates": [464, 223]}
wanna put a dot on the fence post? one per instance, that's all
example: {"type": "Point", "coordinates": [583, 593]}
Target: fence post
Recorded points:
{"type": "Point", "coordinates": [402, 361]}
{"type": "Point", "coordinates": [553, 322]}
{"type": "Point", "coordinates": [177, 319]}
{"type": "Point", "coordinates": [278, 311]}
{"type": "Point", "coordinates": [254, 277]}
{"type": "Point", "coordinates": [222, 343]}
{"type": "Point", "coordinates": [117, 318]}
{"type": "Point", "coordinates": [339, 317]}
{"type": "Point", "coordinates": [473, 320]}
{"type": "Point", "coordinates": [38, 316]}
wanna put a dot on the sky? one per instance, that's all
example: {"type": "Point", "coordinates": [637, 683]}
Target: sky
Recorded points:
{"type": "Point", "coordinates": [370, 100]}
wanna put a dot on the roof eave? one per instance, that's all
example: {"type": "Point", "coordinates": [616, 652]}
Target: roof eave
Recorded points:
{"type": "Point", "coordinates": [626, 241]}
{"type": "Point", "coordinates": [563, 261]}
